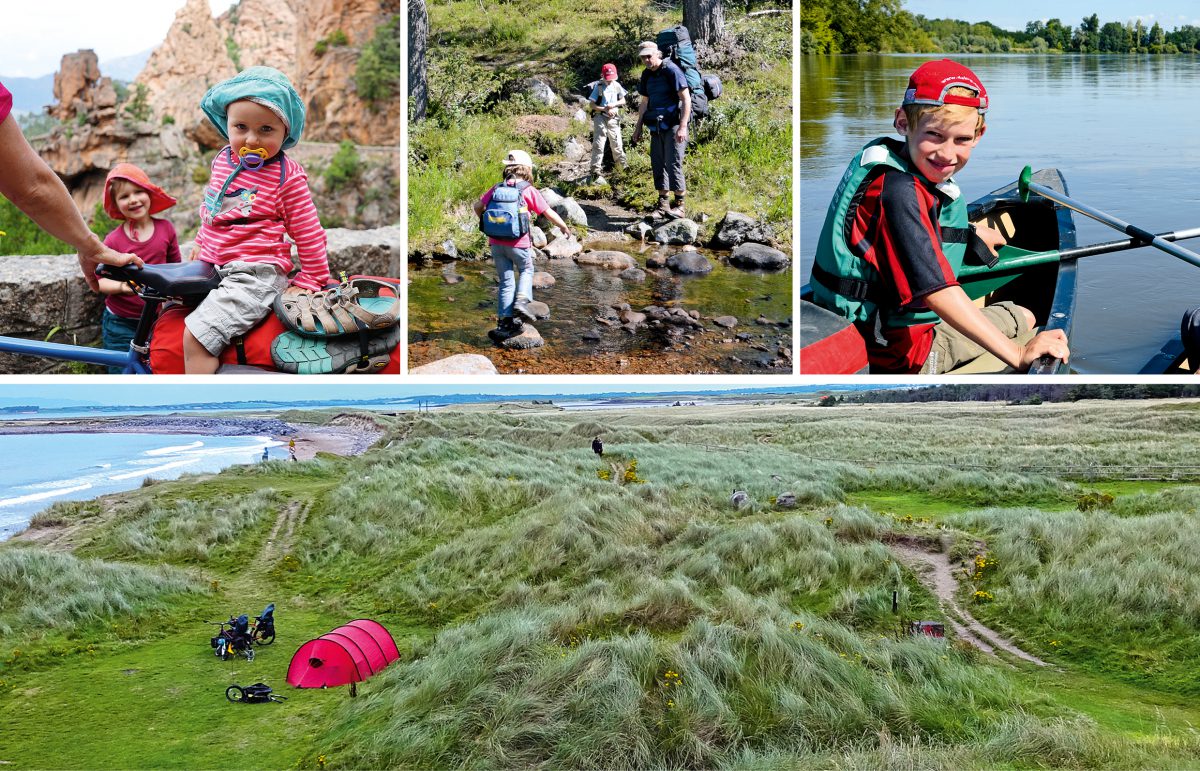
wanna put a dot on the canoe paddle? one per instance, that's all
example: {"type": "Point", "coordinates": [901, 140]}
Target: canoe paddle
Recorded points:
{"type": "Point", "coordinates": [1025, 186]}
{"type": "Point", "coordinates": [1014, 258]}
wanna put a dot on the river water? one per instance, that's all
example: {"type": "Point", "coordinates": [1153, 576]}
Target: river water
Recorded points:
{"type": "Point", "coordinates": [446, 319]}
{"type": "Point", "coordinates": [1122, 129]}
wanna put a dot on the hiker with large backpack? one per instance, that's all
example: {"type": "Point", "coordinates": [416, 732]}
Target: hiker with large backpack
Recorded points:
{"type": "Point", "coordinates": [664, 109]}
{"type": "Point", "coordinates": [506, 213]}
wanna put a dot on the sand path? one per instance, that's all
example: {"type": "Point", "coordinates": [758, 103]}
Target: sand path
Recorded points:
{"type": "Point", "coordinates": [935, 572]}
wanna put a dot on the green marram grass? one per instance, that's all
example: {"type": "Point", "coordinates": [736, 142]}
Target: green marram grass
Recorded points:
{"type": "Point", "coordinates": [554, 609]}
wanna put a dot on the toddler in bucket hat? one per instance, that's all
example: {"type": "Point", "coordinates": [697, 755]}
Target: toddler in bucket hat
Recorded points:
{"type": "Point", "coordinates": [262, 85]}
{"type": "Point", "coordinates": [159, 200]}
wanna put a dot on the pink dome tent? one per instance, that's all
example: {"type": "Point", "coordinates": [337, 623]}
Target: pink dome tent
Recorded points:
{"type": "Point", "coordinates": [346, 655]}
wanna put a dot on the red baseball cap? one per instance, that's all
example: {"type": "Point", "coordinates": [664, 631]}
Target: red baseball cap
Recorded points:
{"type": "Point", "coordinates": [608, 69]}
{"type": "Point", "coordinates": [930, 82]}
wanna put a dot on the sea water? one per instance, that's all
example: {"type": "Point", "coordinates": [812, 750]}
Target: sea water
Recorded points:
{"type": "Point", "coordinates": [41, 469]}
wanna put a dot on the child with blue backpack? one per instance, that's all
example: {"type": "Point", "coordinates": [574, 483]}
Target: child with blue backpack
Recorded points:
{"type": "Point", "coordinates": [506, 213]}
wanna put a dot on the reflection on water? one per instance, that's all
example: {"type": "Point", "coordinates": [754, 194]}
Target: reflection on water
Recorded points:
{"type": "Point", "coordinates": [1121, 129]}
{"type": "Point", "coordinates": [445, 318]}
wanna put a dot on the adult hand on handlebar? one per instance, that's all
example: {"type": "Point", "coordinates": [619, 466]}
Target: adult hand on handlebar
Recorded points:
{"type": "Point", "coordinates": [102, 254]}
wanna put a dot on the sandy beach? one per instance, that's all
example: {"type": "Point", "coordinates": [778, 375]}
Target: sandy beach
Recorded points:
{"type": "Point", "coordinates": [344, 435]}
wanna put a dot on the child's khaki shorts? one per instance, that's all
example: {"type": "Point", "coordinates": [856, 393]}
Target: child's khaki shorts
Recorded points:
{"type": "Point", "coordinates": [951, 349]}
{"type": "Point", "coordinates": [244, 297]}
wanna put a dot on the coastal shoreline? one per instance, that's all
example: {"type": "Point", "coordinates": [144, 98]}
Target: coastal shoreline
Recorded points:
{"type": "Point", "coordinates": [351, 437]}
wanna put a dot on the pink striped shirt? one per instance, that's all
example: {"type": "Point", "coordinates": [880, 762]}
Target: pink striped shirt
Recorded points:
{"type": "Point", "coordinates": [256, 213]}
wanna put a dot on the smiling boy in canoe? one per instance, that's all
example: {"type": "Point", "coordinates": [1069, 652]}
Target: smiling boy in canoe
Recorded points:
{"type": "Point", "coordinates": [896, 235]}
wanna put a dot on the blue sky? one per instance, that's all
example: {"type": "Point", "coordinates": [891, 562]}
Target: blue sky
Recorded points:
{"type": "Point", "coordinates": [37, 34]}
{"type": "Point", "coordinates": [132, 393]}
{"type": "Point", "coordinates": [1014, 14]}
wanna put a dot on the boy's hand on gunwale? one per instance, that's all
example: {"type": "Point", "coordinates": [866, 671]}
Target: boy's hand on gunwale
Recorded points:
{"type": "Point", "coordinates": [1052, 343]}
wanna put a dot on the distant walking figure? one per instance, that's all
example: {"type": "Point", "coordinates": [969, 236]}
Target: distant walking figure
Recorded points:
{"type": "Point", "coordinates": [598, 447]}
{"type": "Point", "coordinates": [292, 448]}
{"type": "Point", "coordinates": [264, 454]}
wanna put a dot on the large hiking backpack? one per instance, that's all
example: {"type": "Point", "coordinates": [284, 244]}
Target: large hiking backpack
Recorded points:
{"type": "Point", "coordinates": [676, 44]}
{"type": "Point", "coordinates": [506, 215]}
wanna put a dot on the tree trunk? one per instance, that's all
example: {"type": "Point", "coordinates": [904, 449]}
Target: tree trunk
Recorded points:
{"type": "Point", "coordinates": [705, 20]}
{"type": "Point", "coordinates": [418, 39]}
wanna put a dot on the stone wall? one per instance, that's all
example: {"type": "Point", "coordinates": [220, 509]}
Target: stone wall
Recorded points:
{"type": "Point", "coordinates": [40, 295]}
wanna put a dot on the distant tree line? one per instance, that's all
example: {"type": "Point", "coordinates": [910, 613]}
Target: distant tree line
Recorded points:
{"type": "Point", "coordinates": [1025, 394]}
{"type": "Point", "coordinates": [861, 26]}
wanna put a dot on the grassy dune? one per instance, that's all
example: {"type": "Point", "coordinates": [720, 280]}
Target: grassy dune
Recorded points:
{"type": "Point", "coordinates": [554, 609]}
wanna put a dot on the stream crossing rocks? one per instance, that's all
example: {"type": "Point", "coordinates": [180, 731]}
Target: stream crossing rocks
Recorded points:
{"type": "Point", "coordinates": [561, 248]}
{"type": "Point", "coordinates": [567, 208]}
{"type": "Point", "coordinates": [537, 237]}
{"type": "Point", "coordinates": [543, 280]}
{"type": "Point", "coordinates": [528, 338]}
{"type": "Point", "coordinates": [540, 310]}
{"type": "Point", "coordinates": [607, 259]}
{"type": "Point", "coordinates": [737, 228]}
{"type": "Point", "coordinates": [636, 275]}
{"type": "Point", "coordinates": [759, 257]}
{"type": "Point", "coordinates": [459, 364]}
{"type": "Point", "coordinates": [682, 231]}
{"type": "Point", "coordinates": [729, 322]}
{"type": "Point", "coordinates": [689, 263]}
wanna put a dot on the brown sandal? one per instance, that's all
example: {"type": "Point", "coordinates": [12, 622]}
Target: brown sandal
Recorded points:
{"type": "Point", "coordinates": [355, 305]}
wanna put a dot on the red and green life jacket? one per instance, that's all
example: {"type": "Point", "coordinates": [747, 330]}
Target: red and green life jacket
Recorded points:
{"type": "Point", "coordinates": [842, 280]}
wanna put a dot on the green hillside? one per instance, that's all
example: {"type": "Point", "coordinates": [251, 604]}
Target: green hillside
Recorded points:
{"type": "Point", "coordinates": [554, 609]}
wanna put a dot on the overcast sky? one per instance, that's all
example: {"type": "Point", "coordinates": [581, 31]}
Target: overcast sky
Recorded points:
{"type": "Point", "coordinates": [38, 33]}
{"type": "Point", "coordinates": [1014, 14]}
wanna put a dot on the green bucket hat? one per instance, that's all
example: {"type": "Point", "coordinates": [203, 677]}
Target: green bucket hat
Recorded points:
{"type": "Point", "coordinates": [266, 86]}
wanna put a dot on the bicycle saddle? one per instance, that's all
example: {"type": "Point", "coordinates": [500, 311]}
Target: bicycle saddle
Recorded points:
{"type": "Point", "coordinates": [177, 279]}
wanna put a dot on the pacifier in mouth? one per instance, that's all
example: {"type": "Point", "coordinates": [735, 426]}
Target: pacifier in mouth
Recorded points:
{"type": "Point", "coordinates": [253, 158]}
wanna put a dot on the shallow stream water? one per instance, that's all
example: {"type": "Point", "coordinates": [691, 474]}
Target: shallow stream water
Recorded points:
{"type": "Point", "coordinates": [445, 319]}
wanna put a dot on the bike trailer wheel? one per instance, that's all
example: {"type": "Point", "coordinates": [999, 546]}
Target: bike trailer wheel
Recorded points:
{"type": "Point", "coordinates": [235, 693]}
{"type": "Point", "coordinates": [266, 638]}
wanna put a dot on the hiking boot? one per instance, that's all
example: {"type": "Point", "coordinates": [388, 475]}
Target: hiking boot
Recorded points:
{"type": "Point", "coordinates": [521, 310]}
{"type": "Point", "coordinates": [663, 208]}
{"type": "Point", "coordinates": [675, 213]}
{"type": "Point", "coordinates": [506, 328]}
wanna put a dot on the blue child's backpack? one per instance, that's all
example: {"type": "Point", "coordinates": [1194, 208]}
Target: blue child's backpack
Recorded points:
{"type": "Point", "coordinates": [506, 216]}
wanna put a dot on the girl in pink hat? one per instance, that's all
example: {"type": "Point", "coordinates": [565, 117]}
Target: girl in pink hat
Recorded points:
{"type": "Point", "coordinates": [130, 196]}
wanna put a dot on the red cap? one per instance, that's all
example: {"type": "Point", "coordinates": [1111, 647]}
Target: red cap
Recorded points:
{"type": "Point", "coordinates": [931, 81]}
{"type": "Point", "coordinates": [608, 69]}
{"type": "Point", "coordinates": [159, 200]}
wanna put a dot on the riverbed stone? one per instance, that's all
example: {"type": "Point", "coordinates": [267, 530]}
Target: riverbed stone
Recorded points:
{"type": "Point", "coordinates": [539, 309]}
{"type": "Point", "coordinates": [591, 335]}
{"type": "Point", "coordinates": [639, 230]}
{"type": "Point", "coordinates": [729, 322]}
{"type": "Point", "coordinates": [459, 364]}
{"type": "Point", "coordinates": [537, 236]}
{"type": "Point", "coordinates": [543, 280]}
{"type": "Point", "coordinates": [681, 231]}
{"type": "Point", "coordinates": [633, 317]}
{"type": "Point", "coordinates": [528, 338]}
{"type": "Point", "coordinates": [636, 275]}
{"type": "Point", "coordinates": [736, 228]}
{"type": "Point", "coordinates": [450, 276]}
{"type": "Point", "coordinates": [689, 263]}
{"type": "Point", "coordinates": [656, 261]}
{"type": "Point", "coordinates": [759, 257]}
{"type": "Point", "coordinates": [561, 248]}
{"type": "Point", "coordinates": [608, 259]}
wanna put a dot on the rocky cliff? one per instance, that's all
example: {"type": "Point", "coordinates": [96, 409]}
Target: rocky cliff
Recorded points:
{"type": "Point", "coordinates": [317, 43]}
